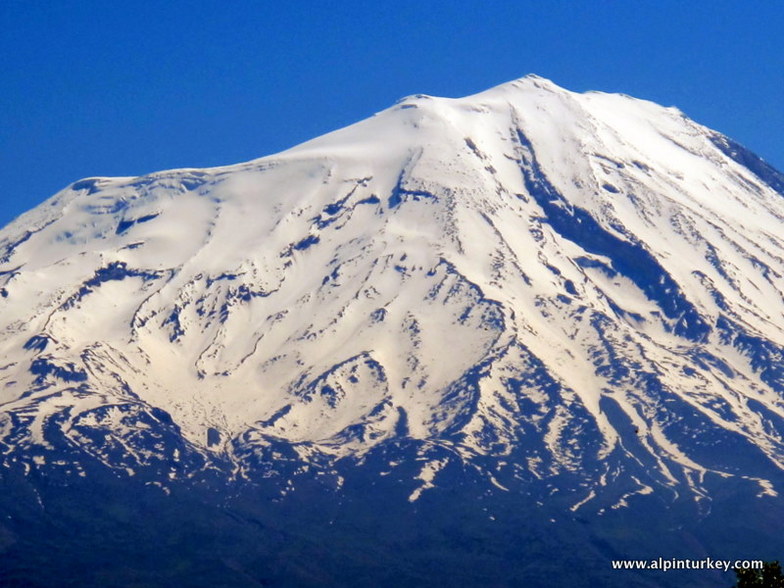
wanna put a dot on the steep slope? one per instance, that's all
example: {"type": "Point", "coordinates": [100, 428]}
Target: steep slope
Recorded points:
{"type": "Point", "coordinates": [580, 293]}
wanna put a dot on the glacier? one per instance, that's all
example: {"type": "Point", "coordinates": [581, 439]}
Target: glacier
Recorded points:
{"type": "Point", "coordinates": [525, 300]}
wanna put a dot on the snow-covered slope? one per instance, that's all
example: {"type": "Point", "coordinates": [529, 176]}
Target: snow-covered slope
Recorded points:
{"type": "Point", "coordinates": [582, 291]}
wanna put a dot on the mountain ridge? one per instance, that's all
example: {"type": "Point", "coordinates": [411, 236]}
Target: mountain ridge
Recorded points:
{"type": "Point", "coordinates": [529, 292]}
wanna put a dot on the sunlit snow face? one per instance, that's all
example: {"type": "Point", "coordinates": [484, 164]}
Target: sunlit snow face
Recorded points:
{"type": "Point", "coordinates": [525, 271]}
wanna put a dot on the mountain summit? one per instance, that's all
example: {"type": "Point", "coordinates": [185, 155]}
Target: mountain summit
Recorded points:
{"type": "Point", "coordinates": [573, 300]}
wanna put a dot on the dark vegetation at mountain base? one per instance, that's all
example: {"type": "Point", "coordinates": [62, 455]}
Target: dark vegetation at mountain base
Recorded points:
{"type": "Point", "coordinates": [770, 576]}
{"type": "Point", "coordinates": [116, 531]}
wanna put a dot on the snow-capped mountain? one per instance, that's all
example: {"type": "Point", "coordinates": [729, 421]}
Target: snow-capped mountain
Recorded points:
{"type": "Point", "coordinates": [575, 293]}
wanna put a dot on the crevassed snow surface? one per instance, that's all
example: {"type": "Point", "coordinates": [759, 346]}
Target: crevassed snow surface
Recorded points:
{"type": "Point", "coordinates": [542, 282]}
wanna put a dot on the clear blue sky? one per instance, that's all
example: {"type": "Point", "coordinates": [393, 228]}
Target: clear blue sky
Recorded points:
{"type": "Point", "coordinates": [92, 88]}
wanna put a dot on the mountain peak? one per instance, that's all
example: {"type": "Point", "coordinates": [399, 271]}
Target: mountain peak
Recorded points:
{"type": "Point", "coordinates": [535, 80]}
{"type": "Point", "coordinates": [524, 272]}
{"type": "Point", "coordinates": [528, 296]}
{"type": "Point", "coordinates": [527, 83]}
